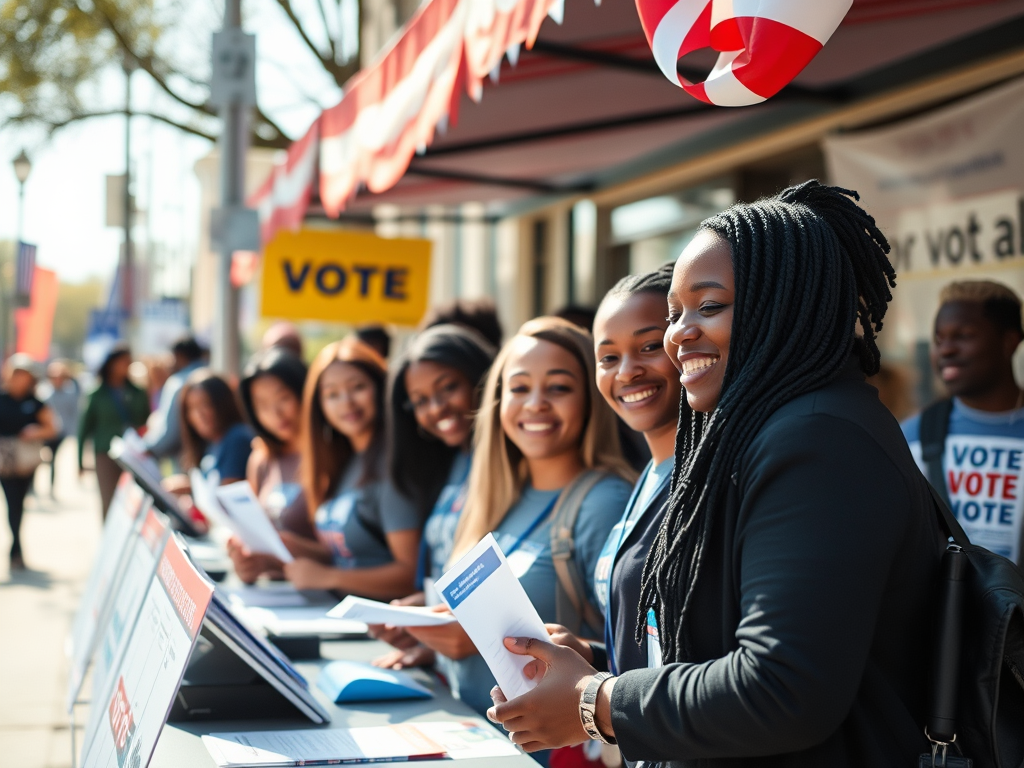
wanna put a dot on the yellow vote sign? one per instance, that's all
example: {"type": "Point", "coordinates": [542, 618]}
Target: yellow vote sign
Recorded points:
{"type": "Point", "coordinates": [345, 277]}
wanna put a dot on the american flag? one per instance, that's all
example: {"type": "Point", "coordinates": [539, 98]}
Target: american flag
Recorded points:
{"type": "Point", "coordinates": [25, 270]}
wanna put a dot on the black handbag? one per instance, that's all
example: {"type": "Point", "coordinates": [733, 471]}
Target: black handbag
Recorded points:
{"type": "Point", "coordinates": [976, 701]}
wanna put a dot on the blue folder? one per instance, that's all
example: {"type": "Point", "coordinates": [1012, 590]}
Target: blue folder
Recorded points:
{"type": "Point", "coordinates": [351, 681]}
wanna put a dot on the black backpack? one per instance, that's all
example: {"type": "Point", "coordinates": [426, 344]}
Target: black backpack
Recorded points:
{"type": "Point", "coordinates": [976, 701]}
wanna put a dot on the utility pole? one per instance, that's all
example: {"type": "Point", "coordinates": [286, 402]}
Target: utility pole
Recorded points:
{"type": "Point", "coordinates": [235, 228]}
{"type": "Point", "coordinates": [128, 256]}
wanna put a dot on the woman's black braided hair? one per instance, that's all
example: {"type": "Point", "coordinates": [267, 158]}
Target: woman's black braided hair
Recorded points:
{"type": "Point", "coordinates": [809, 264]}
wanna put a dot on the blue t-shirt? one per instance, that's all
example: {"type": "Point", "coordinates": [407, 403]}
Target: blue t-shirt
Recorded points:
{"type": "Point", "coordinates": [355, 521]}
{"type": "Point", "coordinates": [439, 532]}
{"type": "Point", "coordinates": [531, 562]}
{"type": "Point", "coordinates": [229, 456]}
{"type": "Point", "coordinates": [984, 470]}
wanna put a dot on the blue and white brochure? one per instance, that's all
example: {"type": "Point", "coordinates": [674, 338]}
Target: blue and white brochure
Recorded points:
{"type": "Point", "coordinates": [491, 604]}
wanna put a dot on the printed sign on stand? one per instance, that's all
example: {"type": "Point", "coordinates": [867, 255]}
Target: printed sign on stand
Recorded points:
{"type": "Point", "coordinates": [128, 718]}
{"type": "Point", "coordinates": [122, 524]}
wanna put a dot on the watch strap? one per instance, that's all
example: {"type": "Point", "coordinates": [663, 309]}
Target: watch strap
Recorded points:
{"type": "Point", "coordinates": [588, 708]}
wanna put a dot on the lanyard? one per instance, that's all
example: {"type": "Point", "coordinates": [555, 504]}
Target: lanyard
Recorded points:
{"type": "Point", "coordinates": [533, 526]}
{"type": "Point", "coordinates": [626, 526]}
{"type": "Point", "coordinates": [424, 556]}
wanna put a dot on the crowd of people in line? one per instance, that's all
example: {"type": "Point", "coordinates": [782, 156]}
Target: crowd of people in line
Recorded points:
{"type": "Point", "coordinates": [748, 584]}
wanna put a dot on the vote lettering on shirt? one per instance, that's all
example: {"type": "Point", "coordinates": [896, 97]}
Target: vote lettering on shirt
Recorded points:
{"type": "Point", "coordinates": [983, 477]}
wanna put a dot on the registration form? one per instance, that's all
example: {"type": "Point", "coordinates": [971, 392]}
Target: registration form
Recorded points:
{"type": "Point", "coordinates": [491, 604]}
{"type": "Point", "coordinates": [143, 681]}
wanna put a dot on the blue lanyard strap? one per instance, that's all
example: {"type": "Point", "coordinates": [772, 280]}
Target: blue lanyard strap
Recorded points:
{"type": "Point", "coordinates": [533, 526]}
{"type": "Point", "coordinates": [629, 521]}
{"type": "Point", "coordinates": [424, 555]}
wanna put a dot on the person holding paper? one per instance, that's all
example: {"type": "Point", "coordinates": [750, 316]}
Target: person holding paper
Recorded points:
{"type": "Point", "coordinates": [542, 425]}
{"type": "Point", "coordinates": [368, 533]}
{"type": "Point", "coordinates": [214, 438]}
{"type": "Point", "coordinates": [271, 395]}
{"type": "Point", "coordinates": [787, 598]}
{"type": "Point", "coordinates": [435, 394]}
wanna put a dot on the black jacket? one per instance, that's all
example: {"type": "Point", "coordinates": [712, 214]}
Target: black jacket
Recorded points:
{"type": "Point", "coordinates": [811, 616]}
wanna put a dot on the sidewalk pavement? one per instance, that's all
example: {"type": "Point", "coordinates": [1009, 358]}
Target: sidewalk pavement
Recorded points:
{"type": "Point", "coordinates": [36, 609]}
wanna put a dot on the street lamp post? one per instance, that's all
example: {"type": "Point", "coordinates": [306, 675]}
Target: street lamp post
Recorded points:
{"type": "Point", "coordinates": [22, 168]}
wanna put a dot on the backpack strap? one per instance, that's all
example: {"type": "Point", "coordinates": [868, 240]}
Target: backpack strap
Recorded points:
{"type": "Point", "coordinates": [573, 609]}
{"type": "Point", "coordinates": [934, 428]}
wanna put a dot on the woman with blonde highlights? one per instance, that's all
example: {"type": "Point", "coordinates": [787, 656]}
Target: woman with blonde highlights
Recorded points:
{"type": "Point", "coordinates": [368, 533]}
{"type": "Point", "coordinates": [542, 425]}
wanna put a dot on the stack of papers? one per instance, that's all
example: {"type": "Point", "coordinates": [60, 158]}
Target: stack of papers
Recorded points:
{"type": "Point", "coordinates": [406, 741]}
{"type": "Point", "coordinates": [374, 612]}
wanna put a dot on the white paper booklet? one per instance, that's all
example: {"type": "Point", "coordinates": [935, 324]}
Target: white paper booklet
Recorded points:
{"type": "Point", "coordinates": [491, 604]}
{"type": "Point", "coordinates": [123, 521]}
{"type": "Point", "coordinates": [126, 722]}
{"type": "Point", "coordinates": [404, 741]}
{"type": "Point", "coordinates": [205, 498]}
{"type": "Point", "coordinates": [375, 612]}
{"type": "Point", "coordinates": [250, 520]}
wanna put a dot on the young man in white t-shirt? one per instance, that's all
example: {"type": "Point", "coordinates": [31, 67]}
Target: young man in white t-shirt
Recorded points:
{"type": "Point", "coordinates": [977, 330]}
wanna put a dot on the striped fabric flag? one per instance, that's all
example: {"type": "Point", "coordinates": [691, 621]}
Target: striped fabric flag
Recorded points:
{"type": "Point", "coordinates": [26, 268]}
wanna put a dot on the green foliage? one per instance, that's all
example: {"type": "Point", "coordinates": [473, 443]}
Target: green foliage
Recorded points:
{"type": "Point", "coordinates": [53, 54]}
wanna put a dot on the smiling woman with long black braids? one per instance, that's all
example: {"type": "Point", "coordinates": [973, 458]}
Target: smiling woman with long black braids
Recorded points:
{"type": "Point", "coordinates": [789, 584]}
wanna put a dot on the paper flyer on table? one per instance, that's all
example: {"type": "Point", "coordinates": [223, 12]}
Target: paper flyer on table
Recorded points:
{"type": "Point", "coordinates": [122, 524]}
{"type": "Point", "coordinates": [250, 520]}
{"type": "Point", "coordinates": [143, 681]}
{"type": "Point", "coordinates": [491, 604]}
{"type": "Point", "coordinates": [304, 747]}
{"type": "Point", "coordinates": [375, 612]}
{"type": "Point", "coordinates": [406, 741]}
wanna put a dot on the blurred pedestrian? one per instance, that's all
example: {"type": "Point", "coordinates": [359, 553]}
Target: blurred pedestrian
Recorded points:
{"type": "Point", "coordinates": [112, 407]}
{"type": "Point", "coordinates": [970, 445]}
{"type": "Point", "coordinates": [163, 428]}
{"type": "Point", "coordinates": [63, 394]}
{"type": "Point", "coordinates": [25, 424]}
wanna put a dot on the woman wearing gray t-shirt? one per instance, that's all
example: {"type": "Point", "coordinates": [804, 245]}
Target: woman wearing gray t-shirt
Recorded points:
{"type": "Point", "coordinates": [368, 533]}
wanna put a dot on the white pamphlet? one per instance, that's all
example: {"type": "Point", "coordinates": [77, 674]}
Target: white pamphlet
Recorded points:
{"type": "Point", "coordinates": [204, 496]}
{"type": "Point", "coordinates": [250, 520]}
{"type": "Point", "coordinates": [404, 741]}
{"type": "Point", "coordinates": [491, 604]}
{"type": "Point", "coordinates": [374, 743]}
{"type": "Point", "coordinates": [301, 621]}
{"type": "Point", "coordinates": [375, 612]}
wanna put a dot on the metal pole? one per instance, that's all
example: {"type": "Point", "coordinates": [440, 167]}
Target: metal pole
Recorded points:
{"type": "Point", "coordinates": [224, 349]}
{"type": "Point", "coordinates": [127, 263]}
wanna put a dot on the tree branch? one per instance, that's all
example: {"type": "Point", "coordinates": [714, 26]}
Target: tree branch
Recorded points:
{"type": "Point", "coordinates": [53, 126]}
{"type": "Point", "coordinates": [327, 30]}
{"type": "Point", "coordinates": [338, 72]}
{"type": "Point", "coordinates": [148, 64]}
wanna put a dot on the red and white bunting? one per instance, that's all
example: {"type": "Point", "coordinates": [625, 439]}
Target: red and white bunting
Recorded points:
{"type": "Point", "coordinates": [763, 44]}
{"type": "Point", "coordinates": [391, 110]}
{"type": "Point", "coordinates": [283, 199]}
